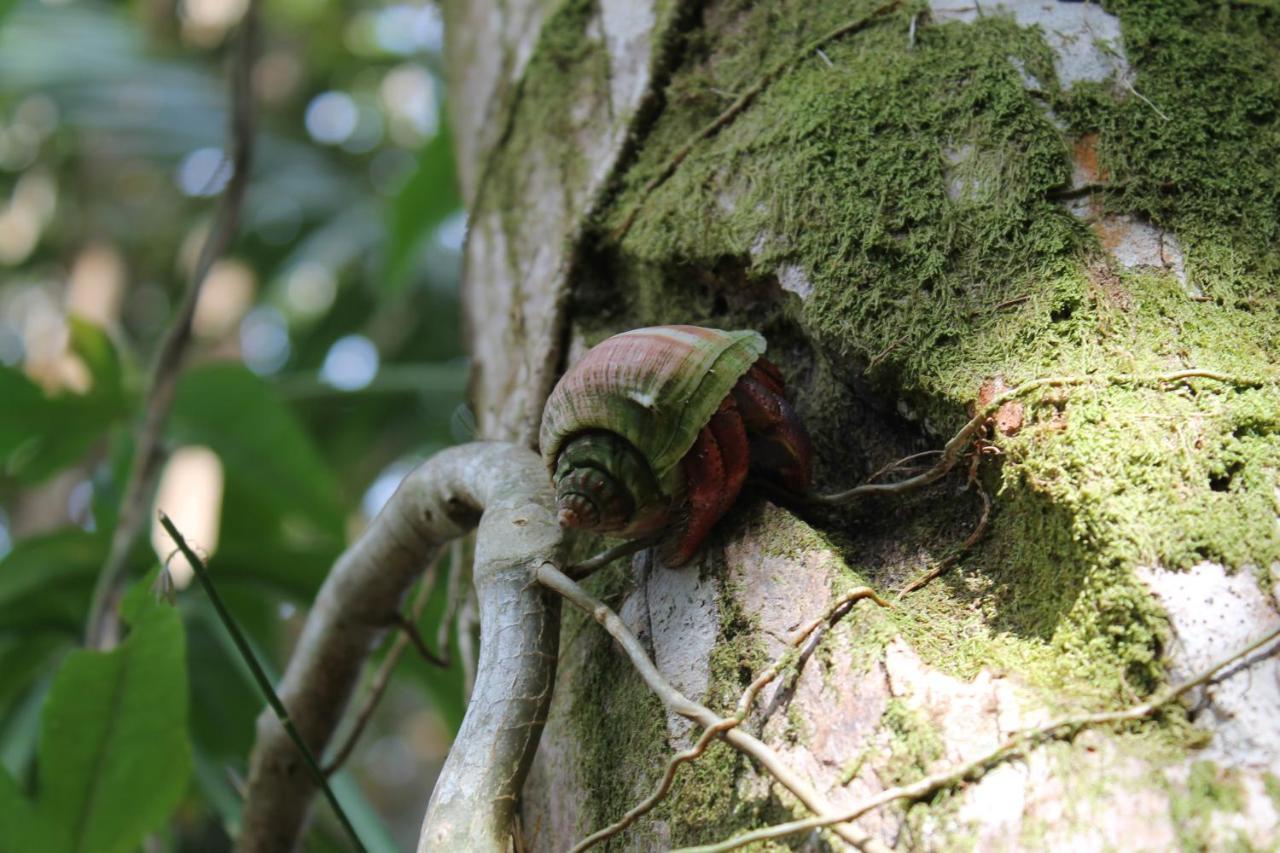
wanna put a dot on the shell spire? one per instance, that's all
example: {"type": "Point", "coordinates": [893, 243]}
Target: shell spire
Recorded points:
{"type": "Point", "coordinates": [655, 387]}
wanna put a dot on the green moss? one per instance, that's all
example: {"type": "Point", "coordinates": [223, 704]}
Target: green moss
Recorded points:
{"type": "Point", "coordinates": [1208, 789]}
{"type": "Point", "coordinates": [1272, 786]}
{"type": "Point", "coordinates": [914, 187]}
{"type": "Point", "coordinates": [914, 745]}
{"type": "Point", "coordinates": [620, 725]}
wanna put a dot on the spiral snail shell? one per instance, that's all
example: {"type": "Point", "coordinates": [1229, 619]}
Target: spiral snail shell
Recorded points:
{"type": "Point", "coordinates": [657, 428]}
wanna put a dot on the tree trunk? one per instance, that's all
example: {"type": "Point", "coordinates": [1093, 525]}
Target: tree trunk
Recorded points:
{"type": "Point", "coordinates": [919, 208]}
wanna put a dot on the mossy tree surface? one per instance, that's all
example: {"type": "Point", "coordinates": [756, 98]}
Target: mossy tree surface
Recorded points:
{"type": "Point", "coordinates": [909, 213]}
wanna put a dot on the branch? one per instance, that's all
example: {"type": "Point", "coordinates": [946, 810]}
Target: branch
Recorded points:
{"type": "Point", "coordinates": [954, 449]}
{"type": "Point", "coordinates": [587, 567]}
{"type": "Point", "coordinates": [1016, 744]}
{"type": "Point", "coordinates": [163, 384]}
{"type": "Point", "coordinates": [675, 701]}
{"type": "Point", "coordinates": [473, 805]}
{"type": "Point", "coordinates": [837, 609]}
{"type": "Point", "coordinates": [383, 677]}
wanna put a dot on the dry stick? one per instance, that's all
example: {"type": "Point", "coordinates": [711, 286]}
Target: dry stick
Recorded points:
{"type": "Point", "coordinates": [383, 677]}
{"type": "Point", "coordinates": [899, 463]}
{"type": "Point", "coordinates": [467, 621]}
{"type": "Point", "coordinates": [744, 100]}
{"type": "Point", "coordinates": [552, 578]}
{"type": "Point", "coordinates": [587, 567]}
{"type": "Point", "coordinates": [1016, 744]}
{"type": "Point", "coordinates": [260, 676]}
{"type": "Point", "coordinates": [410, 630]}
{"type": "Point", "coordinates": [950, 560]}
{"type": "Point", "coordinates": [837, 609]}
{"type": "Point", "coordinates": [163, 383]}
{"type": "Point", "coordinates": [953, 449]}
{"type": "Point", "coordinates": [453, 597]}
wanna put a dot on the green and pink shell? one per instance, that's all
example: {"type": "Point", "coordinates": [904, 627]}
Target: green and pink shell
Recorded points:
{"type": "Point", "coordinates": [656, 388]}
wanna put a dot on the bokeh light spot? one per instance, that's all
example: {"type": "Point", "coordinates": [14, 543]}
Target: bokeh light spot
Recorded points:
{"type": "Point", "coordinates": [203, 172]}
{"type": "Point", "coordinates": [264, 341]}
{"type": "Point", "coordinates": [332, 117]}
{"type": "Point", "coordinates": [351, 363]}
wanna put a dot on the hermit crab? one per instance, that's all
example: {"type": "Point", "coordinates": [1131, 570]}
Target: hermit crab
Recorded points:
{"type": "Point", "coordinates": [655, 430]}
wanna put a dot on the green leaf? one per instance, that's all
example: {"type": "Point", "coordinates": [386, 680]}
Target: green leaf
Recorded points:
{"type": "Point", "coordinates": [24, 658]}
{"type": "Point", "coordinates": [46, 581]}
{"type": "Point", "coordinates": [40, 434]}
{"type": "Point", "coordinates": [99, 355]}
{"type": "Point", "coordinates": [423, 203]}
{"type": "Point", "coordinates": [263, 449]}
{"type": "Point", "coordinates": [114, 758]}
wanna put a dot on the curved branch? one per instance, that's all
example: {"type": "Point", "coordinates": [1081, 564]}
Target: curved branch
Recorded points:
{"type": "Point", "coordinates": [473, 805]}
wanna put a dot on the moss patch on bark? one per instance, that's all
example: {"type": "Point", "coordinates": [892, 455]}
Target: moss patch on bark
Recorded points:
{"type": "Point", "coordinates": [911, 189]}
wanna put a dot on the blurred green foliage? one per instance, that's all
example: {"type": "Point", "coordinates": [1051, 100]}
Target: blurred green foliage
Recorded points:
{"type": "Point", "coordinates": [327, 359]}
{"type": "Point", "coordinates": [114, 755]}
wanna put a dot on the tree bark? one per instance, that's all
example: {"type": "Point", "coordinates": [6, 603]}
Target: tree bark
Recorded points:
{"type": "Point", "coordinates": [920, 205]}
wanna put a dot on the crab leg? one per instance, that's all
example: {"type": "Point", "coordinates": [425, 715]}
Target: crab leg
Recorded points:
{"type": "Point", "coordinates": [704, 477]}
{"type": "Point", "coordinates": [779, 442]}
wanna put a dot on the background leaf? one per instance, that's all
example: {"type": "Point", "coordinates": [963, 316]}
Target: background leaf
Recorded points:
{"type": "Point", "coordinates": [114, 759]}
{"type": "Point", "coordinates": [42, 433]}
{"type": "Point", "coordinates": [422, 204]}
{"type": "Point", "coordinates": [45, 582]}
{"type": "Point", "coordinates": [226, 407]}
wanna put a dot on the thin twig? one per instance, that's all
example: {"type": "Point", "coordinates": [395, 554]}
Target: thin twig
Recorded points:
{"type": "Point", "coordinates": [1079, 191]}
{"type": "Point", "coordinates": [840, 606]}
{"type": "Point", "coordinates": [952, 451]}
{"type": "Point", "coordinates": [587, 567]}
{"type": "Point", "coordinates": [468, 618]}
{"type": "Point", "coordinates": [383, 677]}
{"type": "Point", "coordinates": [738, 106]}
{"type": "Point", "coordinates": [456, 589]}
{"type": "Point", "coordinates": [884, 353]}
{"type": "Point", "coordinates": [410, 630]}
{"type": "Point", "coordinates": [1128, 85]}
{"type": "Point", "coordinates": [899, 463]}
{"type": "Point", "coordinates": [979, 530]}
{"type": "Point", "coordinates": [1009, 303]}
{"type": "Point", "coordinates": [1016, 744]}
{"type": "Point", "coordinates": [675, 701]}
{"type": "Point", "coordinates": [260, 676]}
{"type": "Point", "coordinates": [167, 367]}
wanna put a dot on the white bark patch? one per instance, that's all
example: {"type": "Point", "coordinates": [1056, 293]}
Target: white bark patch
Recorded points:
{"type": "Point", "coordinates": [1136, 243]}
{"type": "Point", "coordinates": [792, 278]}
{"type": "Point", "coordinates": [972, 717]}
{"type": "Point", "coordinates": [958, 173]}
{"type": "Point", "coordinates": [683, 623]}
{"type": "Point", "coordinates": [628, 26]}
{"type": "Point", "coordinates": [835, 705]}
{"type": "Point", "coordinates": [515, 349]}
{"type": "Point", "coordinates": [1085, 39]}
{"type": "Point", "coordinates": [1212, 614]}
